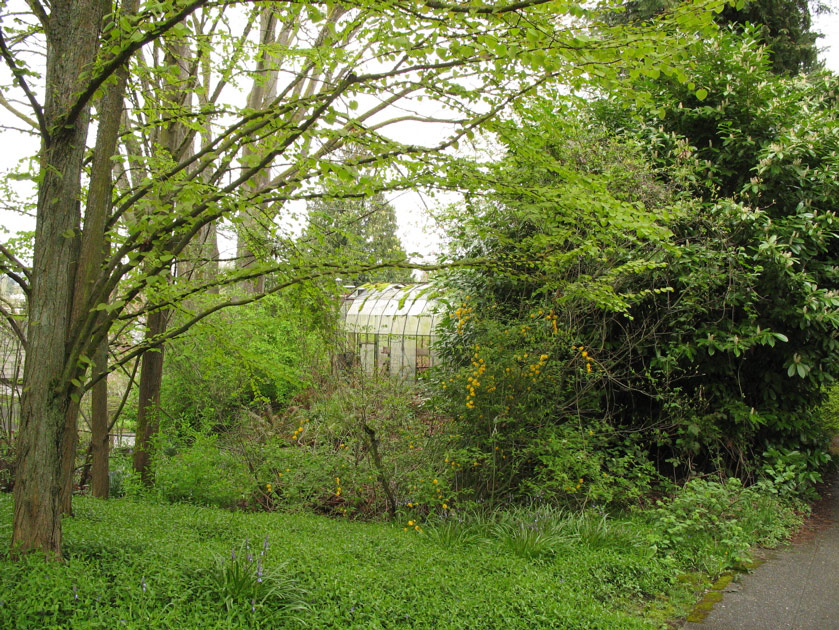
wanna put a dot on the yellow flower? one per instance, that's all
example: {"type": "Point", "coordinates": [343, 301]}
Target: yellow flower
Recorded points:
{"type": "Point", "coordinates": [435, 481]}
{"type": "Point", "coordinates": [268, 487]}
{"type": "Point", "coordinates": [445, 507]}
{"type": "Point", "coordinates": [581, 480]}
{"type": "Point", "coordinates": [410, 523]}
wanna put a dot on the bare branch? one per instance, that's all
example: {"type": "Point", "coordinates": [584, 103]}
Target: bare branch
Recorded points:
{"type": "Point", "coordinates": [486, 9]}
{"type": "Point", "coordinates": [10, 318]}
{"type": "Point", "coordinates": [17, 112]}
{"type": "Point", "coordinates": [39, 11]}
{"type": "Point", "coordinates": [19, 266]}
{"type": "Point", "coordinates": [21, 81]}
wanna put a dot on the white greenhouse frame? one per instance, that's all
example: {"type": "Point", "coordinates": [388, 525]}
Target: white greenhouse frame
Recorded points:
{"type": "Point", "coordinates": [390, 328]}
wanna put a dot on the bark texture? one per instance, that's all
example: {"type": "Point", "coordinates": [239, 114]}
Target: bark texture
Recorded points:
{"type": "Point", "coordinates": [151, 376]}
{"type": "Point", "coordinates": [99, 442]}
{"type": "Point", "coordinates": [72, 40]}
{"type": "Point", "coordinates": [86, 322]}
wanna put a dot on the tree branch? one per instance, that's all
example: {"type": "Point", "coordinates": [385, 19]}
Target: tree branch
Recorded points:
{"type": "Point", "coordinates": [39, 11]}
{"type": "Point", "coordinates": [19, 77]}
{"type": "Point", "coordinates": [17, 112]}
{"type": "Point", "coordinates": [122, 57]}
{"type": "Point", "coordinates": [19, 266]}
{"type": "Point", "coordinates": [10, 318]}
{"type": "Point", "coordinates": [484, 10]}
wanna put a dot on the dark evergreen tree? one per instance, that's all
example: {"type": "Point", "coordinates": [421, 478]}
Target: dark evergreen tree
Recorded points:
{"type": "Point", "coordinates": [356, 229]}
{"type": "Point", "coordinates": [784, 26]}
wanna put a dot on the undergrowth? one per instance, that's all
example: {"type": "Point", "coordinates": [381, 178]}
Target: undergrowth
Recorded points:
{"type": "Point", "coordinates": [138, 564]}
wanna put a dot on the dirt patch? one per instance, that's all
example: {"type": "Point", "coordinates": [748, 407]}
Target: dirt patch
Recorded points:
{"type": "Point", "coordinates": [822, 517]}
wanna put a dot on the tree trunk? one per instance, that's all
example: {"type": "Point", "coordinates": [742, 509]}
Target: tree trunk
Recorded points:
{"type": "Point", "coordinates": [69, 446]}
{"type": "Point", "coordinates": [93, 247]}
{"type": "Point", "coordinates": [100, 483]}
{"type": "Point", "coordinates": [148, 411]}
{"type": "Point", "coordinates": [72, 39]}
{"type": "Point", "coordinates": [175, 95]}
{"type": "Point", "coordinates": [253, 223]}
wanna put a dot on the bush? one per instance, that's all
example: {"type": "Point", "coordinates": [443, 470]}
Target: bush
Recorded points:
{"type": "Point", "coordinates": [711, 525]}
{"type": "Point", "coordinates": [527, 395]}
{"type": "Point", "coordinates": [323, 457]}
{"type": "Point", "coordinates": [204, 474]}
{"type": "Point", "coordinates": [256, 357]}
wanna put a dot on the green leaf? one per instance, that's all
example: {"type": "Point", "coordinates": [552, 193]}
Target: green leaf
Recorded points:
{"type": "Point", "coordinates": [701, 94]}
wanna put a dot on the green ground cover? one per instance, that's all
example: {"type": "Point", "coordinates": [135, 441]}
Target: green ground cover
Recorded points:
{"type": "Point", "coordinates": [137, 564]}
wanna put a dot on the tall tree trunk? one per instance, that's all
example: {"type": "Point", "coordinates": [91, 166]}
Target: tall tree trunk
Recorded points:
{"type": "Point", "coordinates": [148, 421]}
{"type": "Point", "coordinates": [69, 446]}
{"type": "Point", "coordinates": [93, 245]}
{"type": "Point", "coordinates": [253, 228]}
{"type": "Point", "coordinates": [72, 39]}
{"type": "Point", "coordinates": [100, 483]}
{"type": "Point", "coordinates": [175, 95]}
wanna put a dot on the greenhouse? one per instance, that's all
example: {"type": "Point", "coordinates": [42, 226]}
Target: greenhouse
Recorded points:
{"type": "Point", "coordinates": [390, 328]}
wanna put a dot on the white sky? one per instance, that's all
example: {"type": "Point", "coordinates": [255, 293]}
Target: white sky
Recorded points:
{"type": "Point", "coordinates": [828, 25]}
{"type": "Point", "coordinates": [416, 229]}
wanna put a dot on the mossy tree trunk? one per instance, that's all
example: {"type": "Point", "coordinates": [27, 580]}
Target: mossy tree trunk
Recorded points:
{"type": "Point", "coordinates": [72, 29]}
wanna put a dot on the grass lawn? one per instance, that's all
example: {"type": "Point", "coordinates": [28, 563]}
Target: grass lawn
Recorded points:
{"type": "Point", "coordinates": [132, 564]}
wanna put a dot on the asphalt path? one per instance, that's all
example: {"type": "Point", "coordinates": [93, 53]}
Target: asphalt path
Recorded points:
{"type": "Point", "coordinates": [796, 587]}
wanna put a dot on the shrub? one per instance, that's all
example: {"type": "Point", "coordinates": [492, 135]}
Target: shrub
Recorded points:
{"type": "Point", "coordinates": [256, 357]}
{"type": "Point", "coordinates": [204, 474]}
{"type": "Point", "coordinates": [710, 525]}
{"type": "Point", "coordinates": [527, 395]}
{"type": "Point", "coordinates": [322, 456]}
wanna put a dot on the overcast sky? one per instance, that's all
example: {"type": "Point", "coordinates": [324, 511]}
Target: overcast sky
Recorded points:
{"type": "Point", "coordinates": [828, 25]}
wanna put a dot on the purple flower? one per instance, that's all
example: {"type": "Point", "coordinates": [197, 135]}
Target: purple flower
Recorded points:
{"type": "Point", "coordinates": [75, 593]}
{"type": "Point", "coordinates": [232, 554]}
{"type": "Point", "coordinates": [143, 583]}
{"type": "Point", "coordinates": [259, 572]}
{"type": "Point", "coordinates": [250, 557]}
{"type": "Point", "coordinates": [253, 605]}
